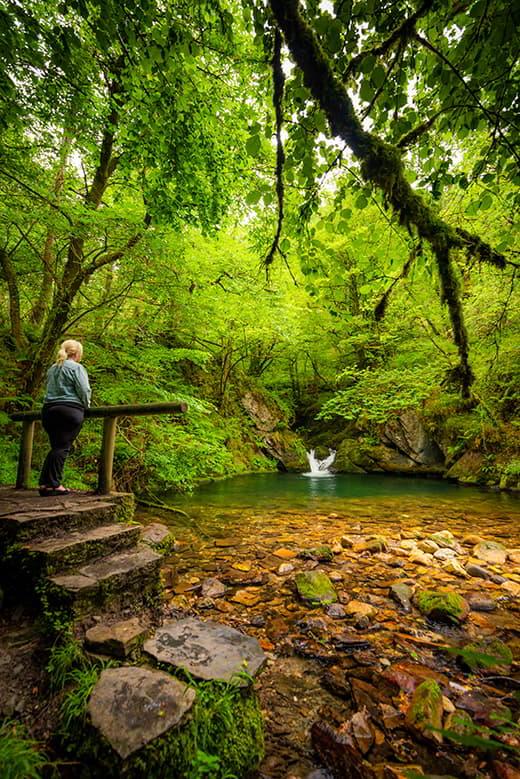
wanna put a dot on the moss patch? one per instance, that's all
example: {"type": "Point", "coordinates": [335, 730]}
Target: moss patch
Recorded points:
{"type": "Point", "coordinates": [315, 588]}
{"type": "Point", "coordinates": [449, 607]}
{"type": "Point", "coordinates": [425, 712]}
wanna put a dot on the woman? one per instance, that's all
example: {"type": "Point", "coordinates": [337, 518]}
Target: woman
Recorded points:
{"type": "Point", "coordinates": [67, 397]}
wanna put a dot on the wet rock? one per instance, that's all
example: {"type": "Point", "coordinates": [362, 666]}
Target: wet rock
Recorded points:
{"type": "Point", "coordinates": [445, 554]}
{"type": "Point", "coordinates": [315, 625]}
{"type": "Point", "coordinates": [258, 621]}
{"type": "Point", "coordinates": [490, 653]}
{"type": "Point", "coordinates": [513, 555]}
{"type": "Point", "coordinates": [407, 676]}
{"type": "Point", "coordinates": [453, 566]}
{"type": "Point", "coordinates": [448, 607]}
{"type": "Point", "coordinates": [346, 542]}
{"type": "Point", "coordinates": [284, 569]}
{"type": "Point", "coordinates": [471, 540]}
{"type": "Point", "coordinates": [444, 539]}
{"type": "Point", "coordinates": [402, 594]}
{"type": "Point", "coordinates": [416, 556]}
{"type": "Point", "coordinates": [156, 534]}
{"type": "Point", "coordinates": [207, 650]}
{"type": "Point", "coordinates": [349, 642]}
{"type": "Point", "coordinates": [505, 770]}
{"type": "Point", "coordinates": [390, 717]}
{"type": "Point", "coordinates": [117, 640]}
{"type": "Point", "coordinates": [425, 712]}
{"type": "Point", "coordinates": [408, 544]}
{"type": "Point", "coordinates": [132, 706]}
{"type": "Point", "coordinates": [481, 707]}
{"type": "Point", "coordinates": [362, 730]}
{"type": "Point", "coordinates": [285, 554]}
{"type": "Point", "coordinates": [477, 571]}
{"type": "Point", "coordinates": [336, 576]}
{"type": "Point", "coordinates": [323, 554]}
{"type": "Point", "coordinates": [336, 611]}
{"type": "Point", "coordinates": [513, 588]}
{"type": "Point", "coordinates": [374, 544]}
{"type": "Point", "coordinates": [497, 579]}
{"type": "Point", "coordinates": [428, 546]}
{"type": "Point", "coordinates": [249, 596]}
{"type": "Point", "coordinates": [205, 604]}
{"type": "Point", "coordinates": [212, 588]}
{"type": "Point", "coordinates": [491, 552]}
{"type": "Point", "coordinates": [480, 603]}
{"type": "Point", "coordinates": [359, 609]}
{"type": "Point", "coordinates": [315, 588]}
{"type": "Point", "coordinates": [337, 749]}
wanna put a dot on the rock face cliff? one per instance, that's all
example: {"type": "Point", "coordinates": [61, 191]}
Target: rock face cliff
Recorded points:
{"type": "Point", "coordinates": [403, 446]}
{"type": "Point", "coordinates": [275, 439]}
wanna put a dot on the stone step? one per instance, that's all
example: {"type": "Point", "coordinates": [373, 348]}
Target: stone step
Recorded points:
{"type": "Point", "coordinates": [44, 522]}
{"type": "Point", "coordinates": [80, 546]}
{"type": "Point", "coordinates": [129, 579]}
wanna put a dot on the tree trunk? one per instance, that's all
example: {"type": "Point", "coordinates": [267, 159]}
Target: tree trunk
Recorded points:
{"type": "Point", "coordinates": [9, 273]}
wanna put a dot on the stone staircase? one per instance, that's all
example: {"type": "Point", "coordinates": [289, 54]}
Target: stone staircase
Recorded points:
{"type": "Point", "coordinates": [81, 553]}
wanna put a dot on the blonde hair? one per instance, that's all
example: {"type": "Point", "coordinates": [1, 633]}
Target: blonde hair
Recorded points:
{"type": "Point", "coordinates": [69, 349]}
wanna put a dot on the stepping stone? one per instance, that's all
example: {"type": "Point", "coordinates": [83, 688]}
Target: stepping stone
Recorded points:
{"type": "Point", "coordinates": [80, 546]}
{"type": "Point", "coordinates": [127, 575]}
{"type": "Point", "coordinates": [207, 650]}
{"type": "Point", "coordinates": [118, 640]}
{"type": "Point", "coordinates": [43, 522]}
{"type": "Point", "coordinates": [155, 533]}
{"type": "Point", "coordinates": [132, 706]}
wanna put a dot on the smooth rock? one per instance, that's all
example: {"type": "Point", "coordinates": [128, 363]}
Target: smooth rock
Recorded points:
{"type": "Point", "coordinates": [207, 650]}
{"type": "Point", "coordinates": [323, 554]}
{"type": "Point", "coordinates": [346, 542]}
{"type": "Point", "coordinates": [358, 608]}
{"type": "Point", "coordinates": [336, 611]}
{"type": "Point", "coordinates": [445, 554]}
{"type": "Point", "coordinates": [155, 534]}
{"type": "Point", "coordinates": [402, 594]}
{"type": "Point", "coordinates": [118, 640]}
{"type": "Point", "coordinates": [471, 539]}
{"type": "Point", "coordinates": [284, 569]}
{"type": "Point", "coordinates": [444, 539]}
{"type": "Point", "coordinates": [480, 603]}
{"type": "Point", "coordinates": [477, 571]}
{"type": "Point", "coordinates": [285, 554]}
{"type": "Point", "coordinates": [212, 588]}
{"type": "Point", "coordinates": [491, 552]}
{"type": "Point", "coordinates": [428, 546]}
{"type": "Point", "coordinates": [408, 543]}
{"type": "Point", "coordinates": [416, 556]}
{"type": "Point", "coordinates": [132, 706]}
{"type": "Point", "coordinates": [453, 566]}
{"type": "Point", "coordinates": [514, 556]}
{"type": "Point", "coordinates": [512, 587]}
{"type": "Point", "coordinates": [249, 596]}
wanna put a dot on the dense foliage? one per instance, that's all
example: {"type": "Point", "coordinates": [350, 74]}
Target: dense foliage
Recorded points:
{"type": "Point", "coordinates": [159, 158]}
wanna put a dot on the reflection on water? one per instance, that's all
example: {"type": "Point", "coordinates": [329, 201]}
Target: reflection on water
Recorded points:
{"type": "Point", "coordinates": [267, 492]}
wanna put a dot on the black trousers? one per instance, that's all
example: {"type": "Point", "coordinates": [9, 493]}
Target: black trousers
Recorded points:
{"type": "Point", "coordinates": [62, 424]}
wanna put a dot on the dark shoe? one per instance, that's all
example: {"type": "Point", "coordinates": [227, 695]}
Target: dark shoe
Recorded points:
{"type": "Point", "coordinates": [50, 492]}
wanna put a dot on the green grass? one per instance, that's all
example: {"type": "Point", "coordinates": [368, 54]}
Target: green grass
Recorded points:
{"type": "Point", "coordinates": [20, 757]}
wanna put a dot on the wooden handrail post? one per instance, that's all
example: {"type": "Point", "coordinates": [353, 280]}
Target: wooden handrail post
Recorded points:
{"type": "Point", "coordinates": [23, 474]}
{"type": "Point", "coordinates": [106, 460]}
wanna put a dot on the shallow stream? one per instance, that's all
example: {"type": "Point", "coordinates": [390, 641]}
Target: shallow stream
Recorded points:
{"type": "Point", "coordinates": [240, 531]}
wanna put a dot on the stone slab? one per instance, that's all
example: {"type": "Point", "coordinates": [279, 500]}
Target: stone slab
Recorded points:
{"type": "Point", "coordinates": [78, 538]}
{"type": "Point", "coordinates": [118, 639]}
{"type": "Point", "coordinates": [132, 706]}
{"type": "Point", "coordinates": [207, 650]}
{"type": "Point", "coordinates": [155, 533]}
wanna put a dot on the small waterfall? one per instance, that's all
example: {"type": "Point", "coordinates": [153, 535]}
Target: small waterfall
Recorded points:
{"type": "Point", "coordinates": [320, 467]}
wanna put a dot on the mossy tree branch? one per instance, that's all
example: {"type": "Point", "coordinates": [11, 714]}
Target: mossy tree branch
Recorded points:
{"type": "Point", "coordinates": [381, 166]}
{"type": "Point", "coordinates": [278, 93]}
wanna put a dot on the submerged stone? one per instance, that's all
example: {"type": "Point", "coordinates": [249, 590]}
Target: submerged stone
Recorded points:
{"type": "Point", "coordinates": [207, 650]}
{"type": "Point", "coordinates": [426, 709]}
{"type": "Point", "coordinates": [315, 588]}
{"type": "Point", "coordinates": [444, 538]}
{"type": "Point", "coordinates": [487, 653]}
{"type": "Point", "coordinates": [323, 554]}
{"type": "Point", "coordinates": [132, 706]}
{"type": "Point", "coordinates": [477, 571]}
{"type": "Point", "coordinates": [491, 552]}
{"type": "Point", "coordinates": [449, 607]}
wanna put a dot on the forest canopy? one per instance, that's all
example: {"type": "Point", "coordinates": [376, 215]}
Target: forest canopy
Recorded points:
{"type": "Point", "coordinates": [315, 201]}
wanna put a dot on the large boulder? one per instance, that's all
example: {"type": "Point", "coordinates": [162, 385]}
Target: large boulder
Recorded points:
{"type": "Point", "coordinates": [407, 434]}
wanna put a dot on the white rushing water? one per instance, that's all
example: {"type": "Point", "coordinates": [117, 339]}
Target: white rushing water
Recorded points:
{"type": "Point", "coordinates": [320, 467]}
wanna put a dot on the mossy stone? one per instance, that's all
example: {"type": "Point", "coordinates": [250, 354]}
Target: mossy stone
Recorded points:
{"type": "Point", "coordinates": [448, 607]}
{"type": "Point", "coordinates": [487, 653]}
{"type": "Point", "coordinates": [444, 539]}
{"type": "Point", "coordinates": [425, 712]}
{"type": "Point", "coordinates": [323, 554]}
{"type": "Point", "coordinates": [315, 588]}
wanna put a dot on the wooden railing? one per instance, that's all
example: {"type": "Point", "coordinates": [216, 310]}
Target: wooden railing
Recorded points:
{"type": "Point", "coordinates": [110, 415]}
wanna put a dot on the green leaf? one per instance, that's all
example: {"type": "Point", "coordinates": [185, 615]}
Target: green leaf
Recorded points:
{"type": "Point", "coordinates": [361, 201]}
{"type": "Point", "coordinates": [378, 76]}
{"type": "Point", "coordinates": [253, 145]}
